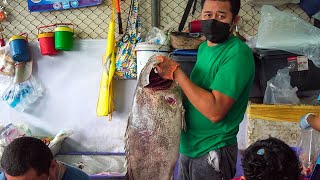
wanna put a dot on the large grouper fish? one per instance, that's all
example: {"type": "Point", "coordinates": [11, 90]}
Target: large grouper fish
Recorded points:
{"type": "Point", "coordinates": [154, 127]}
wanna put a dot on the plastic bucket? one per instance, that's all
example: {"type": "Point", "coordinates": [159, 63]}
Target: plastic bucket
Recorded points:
{"type": "Point", "coordinates": [19, 48]}
{"type": "Point", "coordinates": [46, 41]}
{"type": "Point", "coordinates": [145, 51]}
{"type": "Point", "coordinates": [63, 38]}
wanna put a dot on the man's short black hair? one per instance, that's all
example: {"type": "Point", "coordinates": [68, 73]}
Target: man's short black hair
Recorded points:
{"type": "Point", "coordinates": [25, 153]}
{"type": "Point", "coordinates": [271, 159]}
{"type": "Point", "coordinates": [235, 5]}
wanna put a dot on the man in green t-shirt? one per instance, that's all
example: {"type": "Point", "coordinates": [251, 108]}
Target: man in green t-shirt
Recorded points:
{"type": "Point", "coordinates": [217, 95]}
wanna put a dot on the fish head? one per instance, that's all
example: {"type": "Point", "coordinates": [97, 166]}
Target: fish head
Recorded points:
{"type": "Point", "coordinates": [149, 77]}
{"type": "Point", "coordinates": [156, 99]}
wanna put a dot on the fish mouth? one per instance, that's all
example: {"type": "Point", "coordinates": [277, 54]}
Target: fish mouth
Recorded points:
{"type": "Point", "coordinates": [156, 82]}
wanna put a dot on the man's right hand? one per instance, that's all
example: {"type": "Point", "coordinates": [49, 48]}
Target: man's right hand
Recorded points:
{"type": "Point", "coordinates": [166, 67]}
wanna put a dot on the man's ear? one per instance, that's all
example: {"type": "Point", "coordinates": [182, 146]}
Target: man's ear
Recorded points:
{"type": "Point", "coordinates": [243, 178]}
{"type": "Point", "coordinates": [235, 21]}
{"type": "Point", "coordinates": [53, 168]}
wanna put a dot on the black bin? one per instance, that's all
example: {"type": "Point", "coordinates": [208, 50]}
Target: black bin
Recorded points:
{"type": "Point", "coordinates": [186, 58]}
{"type": "Point", "coordinates": [268, 62]}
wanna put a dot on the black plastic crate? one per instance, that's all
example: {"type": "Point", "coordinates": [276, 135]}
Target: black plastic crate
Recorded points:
{"type": "Point", "coordinates": [186, 58]}
{"type": "Point", "coordinates": [268, 62]}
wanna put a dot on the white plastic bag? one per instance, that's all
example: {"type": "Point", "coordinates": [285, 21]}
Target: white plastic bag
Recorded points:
{"type": "Point", "coordinates": [279, 89]}
{"type": "Point", "coordinates": [157, 36]}
{"type": "Point", "coordinates": [21, 95]}
{"type": "Point", "coordinates": [23, 88]}
{"type": "Point", "coordinates": [55, 144]}
{"type": "Point", "coordinates": [287, 32]}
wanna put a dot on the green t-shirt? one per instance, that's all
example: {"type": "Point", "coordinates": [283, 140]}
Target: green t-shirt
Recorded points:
{"type": "Point", "coordinates": [228, 68]}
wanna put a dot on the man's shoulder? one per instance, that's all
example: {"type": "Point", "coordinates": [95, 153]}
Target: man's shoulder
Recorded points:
{"type": "Point", "coordinates": [239, 54]}
{"type": "Point", "coordinates": [202, 46]}
{"type": "Point", "coordinates": [73, 173]}
{"type": "Point", "coordinates": [238, 46]}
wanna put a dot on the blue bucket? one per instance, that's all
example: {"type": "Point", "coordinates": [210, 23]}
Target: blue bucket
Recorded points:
{"type": "Point", "coordinates": [19, 48]}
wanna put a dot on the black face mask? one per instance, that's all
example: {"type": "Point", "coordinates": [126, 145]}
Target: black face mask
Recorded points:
{"type": "Point", "coordinates": [215, 31]}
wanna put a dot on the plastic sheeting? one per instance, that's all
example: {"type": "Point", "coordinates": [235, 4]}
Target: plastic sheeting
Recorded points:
{"type": "Point", "coordinates": [279, 89]}
{"type": "Point", "coordinates": [287, 32]}
{"type": "Point", "coordinates": [96, 164]}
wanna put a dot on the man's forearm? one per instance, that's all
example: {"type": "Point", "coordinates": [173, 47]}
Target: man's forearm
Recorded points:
{"type": "Point", "coordinates": [203, 100]}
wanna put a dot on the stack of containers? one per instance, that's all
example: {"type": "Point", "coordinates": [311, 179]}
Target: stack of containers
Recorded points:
{"type": "Point", "coordinates": [59, 40]}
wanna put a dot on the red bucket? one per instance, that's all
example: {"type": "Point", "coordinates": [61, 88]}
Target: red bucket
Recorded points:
{"type": "Point", "coordinates": [46, 41]}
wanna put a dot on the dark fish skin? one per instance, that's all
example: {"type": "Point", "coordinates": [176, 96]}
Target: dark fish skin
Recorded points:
{"type": "Point", "coordinates": [154, 127]}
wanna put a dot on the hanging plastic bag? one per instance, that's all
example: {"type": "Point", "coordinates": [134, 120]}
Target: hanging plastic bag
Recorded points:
{"type": "Point", "coordinates": [157, 36]}
{"type": "Point", "coordinates": [24, 89]}
{"type": "Point", "coordinates": [308, 149]}
{"type": "Point", "coordinates": [285, 31]}
{"type": "Point", "coordinates": [279, 89]}
{"type": "Point", "coordinates": [20, 95]}
{"type": "Point", "coordinates": [126, 59]}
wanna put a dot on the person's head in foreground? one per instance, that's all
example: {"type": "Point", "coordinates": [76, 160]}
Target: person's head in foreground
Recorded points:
{"type": "Point", "coordinates": [28, 158]}
{"type": "Point", "coordinates": [270, 159]}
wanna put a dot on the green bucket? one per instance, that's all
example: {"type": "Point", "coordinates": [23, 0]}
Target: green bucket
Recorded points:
{"type": "Point", "coordinates": [63, 38]}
